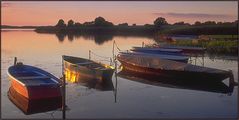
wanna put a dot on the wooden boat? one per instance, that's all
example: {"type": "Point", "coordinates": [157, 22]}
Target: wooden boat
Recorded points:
{"type": "Point", "coordinates": [155, 50]}
{"type": "Point", "coordinates": [160, 56]}
{"type": "Point", "coordinates": [162, 67]}
{"type": "Point", "coordinates": [175, 52]}
{"type": "Point", "coordinates": [86, 68]}
{"type": "Point", "coordinates": [28, 106]}
{"type": "Point", "coordinates": [33, 83]}
{"type": "Point", "coordinates": [174, 82]}
{"type": "Point", "coordinates": [185, 49]}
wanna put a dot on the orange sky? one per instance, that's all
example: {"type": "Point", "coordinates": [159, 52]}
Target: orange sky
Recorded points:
{"type": "Point", "coordinates": [48, 13]}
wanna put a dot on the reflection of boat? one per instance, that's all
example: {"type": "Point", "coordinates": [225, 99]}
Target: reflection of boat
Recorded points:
{"type": "Point", "coordinates": [33, 83]}
{"type": "Point", "coordinates": [33, 106]}
{"type": "Point", "coordinates": [160, 56]}
{"type": "Point", "coordinates": [84, 68]}
{"type": "Point", "coordinates": [218, 87]}
{"type": "Point", "coordinates": [98, 84]}
{"type": "Point", "coordinates": [155, 66]}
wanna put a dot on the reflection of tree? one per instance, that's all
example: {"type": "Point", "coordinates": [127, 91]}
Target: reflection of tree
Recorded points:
{"type": "Point", "coordinates": [70, 37]}
{"type": "Point", "coordinates": [97, 37]}
{"type": "Point", "coordinates": [100, 39]}
{"type": "Point", "coordinates": [60, 37]}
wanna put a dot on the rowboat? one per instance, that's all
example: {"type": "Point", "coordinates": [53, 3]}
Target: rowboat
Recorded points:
{"type": "Point", "coordinates": [33, 83]}
{"type": "Point", "coordinates": [75, 68]}
{"type": "Point", "coordinates": [28, 106]}
{"type": "Point", "coordinates": [185, 49]}
{"type": "Point", "coordinates": [176, 52]}
{"type": "Point", "coordinates": [160, 56]}
{"type": "Point", "coordinates": [175, 83]}
{"type": "Point", "coordinates": [157, 50]}
{"type": "Point", "coordinates": [162, 67]}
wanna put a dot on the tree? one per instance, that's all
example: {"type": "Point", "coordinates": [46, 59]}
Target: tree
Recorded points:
{"type": "Point", "coordinates": [197, 23]}
{"type": "Point", "coordinates": [209, 23]}
{"type": "Point", "coordinates": [123, 24]}
{"type": "Point", "coordinates": [100, 21]}
{"type": "Point", "coordinates": [89, 23]}
{"type": "Point", "coordinates": [61, 23]}
{"type": "Point", "coordinates": [160, 21]}
{"type": "Point", "coordinates": [77, 24]}
{"type": "Point", "coordinates": [70, 23]}
{"type": "Point", "coordinates": [181, 23]}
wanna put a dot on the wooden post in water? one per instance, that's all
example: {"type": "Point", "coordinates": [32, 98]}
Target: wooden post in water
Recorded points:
{"type": "Point", "coordinates": [116, 81]}
{"type": "Point", "coordinates": [63, 92]}
{"type": "Point", "coordinates": [15, 60]}
{"type": "Point", "coordinates": [63, 97]}
{"type": "Point", "coordinates": [142, 44]}
{"type": "Point", "coordinates": [113, 51]}
{"type": "Point", "coordinates": [89, 54]}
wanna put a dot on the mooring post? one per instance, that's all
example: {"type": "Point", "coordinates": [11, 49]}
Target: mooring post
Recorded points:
{"type": "Point", "coordinates": [89, 54]}
{"type": "Point", "coordinates": [63, 97]}
{"type": "Point", "coordinates": [231, 79]}
{"type": "Point", "coordinates": [113, 51]}
{"type": "Point", "coordinates": [116, 82]}
{"type": "Point", "coordinates": [15, 60]}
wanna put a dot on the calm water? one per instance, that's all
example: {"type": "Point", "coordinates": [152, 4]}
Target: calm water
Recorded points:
{"type": "Point", "coordinates": [132, 100]}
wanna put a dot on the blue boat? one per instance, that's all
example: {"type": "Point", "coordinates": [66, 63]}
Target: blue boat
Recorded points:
{"type": "Point", "coordinates": [159, 56]}
{"type": "Point", "coordinates": [33, 83]}
{"type": "Point", "coordinates": [166, 51]}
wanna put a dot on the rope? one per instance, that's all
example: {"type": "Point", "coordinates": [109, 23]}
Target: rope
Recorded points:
{"type": "Point", "coordinates": [117, 46]}
{"type": "Point", "coordinates": [99, 55]}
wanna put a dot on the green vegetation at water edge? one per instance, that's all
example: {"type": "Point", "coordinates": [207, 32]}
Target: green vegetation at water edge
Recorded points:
{"type": "Point", "coordinates": [217, 46]}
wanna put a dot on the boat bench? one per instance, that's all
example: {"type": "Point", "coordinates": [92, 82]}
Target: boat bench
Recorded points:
{"type": "Point", "coordinates": [84, 63]}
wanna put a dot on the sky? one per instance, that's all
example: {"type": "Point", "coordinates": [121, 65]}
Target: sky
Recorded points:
{"type": "Point", "coordinates": [132, 12]}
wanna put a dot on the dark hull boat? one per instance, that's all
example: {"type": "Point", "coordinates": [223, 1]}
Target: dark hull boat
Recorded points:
{"type": "Point", "coordinates": [165, 51]}
{"type": "Point", "coordinates": [158, 49]}
{"type": "Point", "coordinates": [174, 82]}
{"type": "Point", "coordinates": [33, 106]}
{"type": "Point", "coordinates": [185, 49]}
{"type": "Point", "coordinates": [160, 56]}
{"type": "Point", "coordinates": [75, 67]}
{"type": "Point", "coordinates": [33, 83]}
{"type": "Point", "coordinates": [155, 66]}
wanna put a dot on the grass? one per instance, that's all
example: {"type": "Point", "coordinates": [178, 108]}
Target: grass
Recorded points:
{"type": "Point", "coordinates": [217, 46]}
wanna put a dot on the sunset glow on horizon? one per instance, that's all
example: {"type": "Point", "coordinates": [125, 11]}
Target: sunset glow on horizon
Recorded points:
{"type": "Point", "coordinates": [140, 13]}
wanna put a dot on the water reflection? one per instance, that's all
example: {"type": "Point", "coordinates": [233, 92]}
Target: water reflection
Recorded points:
{"type": "Point", "coordinates": [91, 83]}
{"type": "Point", "coordinates": [218, 87]}
{"type": "Point", "coordinates": [99, 37]}
{"type": "Point", "coordinates": [29, 107]}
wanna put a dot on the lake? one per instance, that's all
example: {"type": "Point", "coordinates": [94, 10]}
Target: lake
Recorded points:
{"type": "Point", "coordinates": [133, 99]}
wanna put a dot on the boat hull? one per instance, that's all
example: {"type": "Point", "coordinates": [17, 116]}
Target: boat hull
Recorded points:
{"type": "Point", "coordinates": [182, 75]}
{"type": "Point", "coordinates": [35, 92]}
{"type": "Point", "coordinates": [33, 106]}
{"type": "Point", "coordinates": [85, 71]}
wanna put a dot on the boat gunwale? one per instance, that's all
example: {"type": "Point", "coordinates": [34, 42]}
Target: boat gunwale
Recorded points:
{"type": "Point", "coordinates": [102, 64]}
{"type": "Point", "coordinates": [57, 82]}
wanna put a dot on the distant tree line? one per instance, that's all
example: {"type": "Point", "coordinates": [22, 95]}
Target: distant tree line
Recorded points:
{"type": "Point", "coordinates": [160, 21]}
{"type": "Point", "coordinates": [160, 25]}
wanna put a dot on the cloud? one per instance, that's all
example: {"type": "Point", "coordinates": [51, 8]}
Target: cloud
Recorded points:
{"type": "Point", "coordinates": [4, 4]}
{"type": "Point", "coordinates": [194, 15]}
